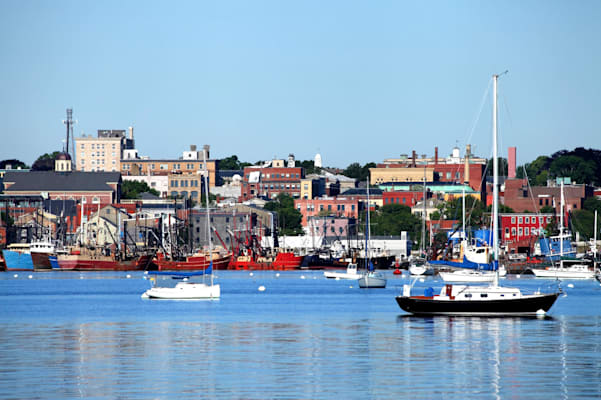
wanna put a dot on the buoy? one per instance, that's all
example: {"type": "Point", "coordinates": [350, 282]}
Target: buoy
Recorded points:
{"type": "Point", "coordinates": [251, 274]}
{"type": "Point", "coordinates": [421, 279]}
{"type": "Point", "coordinates": [302, 276]}
{"type": "Point", "coordinates": [145, 272]}
{"type": "Point", "coordinates": [261, 288]}
{"type": "Point", "coordinates": [518, 276]}
{"type": "Point", "coordinates": [277, 275]}
{"type": "Point", "coordinates": [397, 272]}
{"type": "Point", "coordinates": [337, 278]}
{"type": "Point", "coordinates": [350, 287]}
{"type": "Point", "coordinates": [570, 285]}
{"type": "Point", "coordinates": [30, 276]}
{"type": "Point", "coordinates": [128, 276]}
{"type": "Point", "coordinates": [15, 275]}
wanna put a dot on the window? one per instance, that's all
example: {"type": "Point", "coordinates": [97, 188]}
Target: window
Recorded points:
{"type": "Point", "coordinates": [526, 231]}
{"type": "Point", "coordinates": [513, 220]}
{"type": "Point", "coordinates": [483, 294]}
{"type": "Point", "coordinates": [520, 232]}
{"type": "Point", "coordinates": [513, 231]}
{"type": "Point", "coordinates": [83, 146]}
{"type": "Point", "coordinates": [92, 145]}
{"type": "Point", "coordinates": [526, 220]}
{"type": "Point", "coordinates": [520, 220]}
{"type": "Point", "coordinates": [448, 175]}
{"type": "Point", "coordinates": [113, 146]}
{"type": "Point", "coordinates": [164, 166]}
{"type": "Point", "coordinates": [329, 207]}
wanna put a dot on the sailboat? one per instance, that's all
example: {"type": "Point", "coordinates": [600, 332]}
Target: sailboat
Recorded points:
{"type": "Point", "coordinates": [564, 268]}
{"type": "Point", "coordinates": [371, 279]}
{"type": "Point", "coordinates": [187, 288]}
{"type": "Point", "coordinates": [420, 266]}
{"type": "Point", "coordinates": [490, 300]}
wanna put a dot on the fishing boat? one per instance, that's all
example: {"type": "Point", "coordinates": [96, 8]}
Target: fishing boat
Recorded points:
{"type": "Point", "coordinates": [350, 273]}
{"type": "Point", "coordinates": [282, 261]}
{"type": "Point", "coordinates": [41, 250]}
{"type": "Point", "coordinates": [101, 259]}
{"type": "Point", "coordinates": [370, 279]}
{"type": "Point", "coordinates": [198, 260]}
{"type": "Point", "coordinates": [17, 257]}
{"type": "Point", "coordinates": [480, 300]}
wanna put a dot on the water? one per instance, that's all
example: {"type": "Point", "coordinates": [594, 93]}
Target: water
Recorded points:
{"type": "Point", "coordinates": [68, 335]}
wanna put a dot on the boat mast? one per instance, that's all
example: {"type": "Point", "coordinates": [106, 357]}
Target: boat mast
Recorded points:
{"type": "Point", "coordinates": [206, 172]}
{"type": "Point", "coordinates": [422, 244]}
{"type": "Point", "coordinates": [367, 232]}
{"type": "Point", "coordinates": [561, 224]}
{"type": "Point", "coordinates": [595, 240]}
{"type": "Point", "coordinates": [495, 190]}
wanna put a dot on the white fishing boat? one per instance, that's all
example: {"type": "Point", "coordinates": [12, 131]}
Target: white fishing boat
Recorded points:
{"type": "Point", "coordinates": [480, 300]}
{"type": "Point", "coordinates": [351, 273]}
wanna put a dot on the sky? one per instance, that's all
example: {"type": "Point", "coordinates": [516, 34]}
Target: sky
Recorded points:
{"type": "Point", "coordinates": [356, 81]}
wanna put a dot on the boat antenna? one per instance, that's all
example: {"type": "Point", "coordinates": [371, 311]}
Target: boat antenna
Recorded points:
{"type": "Point", "coordinates": [206, 172]}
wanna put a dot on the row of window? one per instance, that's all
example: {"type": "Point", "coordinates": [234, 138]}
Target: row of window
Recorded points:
{"type": "Point", "coordinates": [278, 176]}
{"type": "Point", "coordinates": [184, 183]}
{"type": "Point", "coordinates": [339, 207]}
{"type": "Point", "coordinates": [395, 200]}
{"type": "Point", "coordinates": [185, 194]}
{"type": "Point", "coordinates": [530, 219]}
{"type": "Point", "coordinates": [98, 146]}
{"type": "Point", "coordinates": [522, 231]}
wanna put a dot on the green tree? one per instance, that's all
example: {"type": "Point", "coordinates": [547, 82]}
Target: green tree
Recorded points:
{"type": "Point", "coordinates": [45, 162]}
{"type": "Point", "coordinates": [474, 210]}
{"type": "Point", "coordinates": [502, 167]}
{"type": "Point", "coordinates": [133, 189]}
{"type": "Point", "coordinates": [289, 219]}
{"type": "Point", "coordinates": [358, 172]}
{"type": "Point", "coordinates": [392, 219]}
{"type": "Point", "coordinates": [577, 168]}
{"type": "Point", "coordinates": [547, 210]}
{"type": "Point", "coordinates": [308, 165]}
{"type": "Point", "coordinates": [232, 163]}
{"type": "Point", "coordinates": [14, 164]}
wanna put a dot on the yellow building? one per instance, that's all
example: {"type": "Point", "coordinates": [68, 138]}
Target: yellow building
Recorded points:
{"type": "Point", "coordinates": [400, 175]}
{"type": "Point", "coordinates": [306, 189]}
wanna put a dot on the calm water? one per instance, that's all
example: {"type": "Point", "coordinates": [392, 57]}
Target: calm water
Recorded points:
{"type": "Point", "coordinates": [90, 335]}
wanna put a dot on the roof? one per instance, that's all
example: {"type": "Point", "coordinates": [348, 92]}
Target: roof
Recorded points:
{"type": "Point", "coordinates": [362, 192]}
{"type": "Point", "coordinates": [148, 196]}
{"type": "Point", "coordinates": [51, 181]}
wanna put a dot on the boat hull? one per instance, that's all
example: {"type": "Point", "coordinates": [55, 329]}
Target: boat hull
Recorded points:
{"type": "Point", "coordinates": [76, 262]}
{"type": "Point", "coordinates": [184, 291]}
{"type": "Point", "coordinates": [191, 263]}
{"type": "Point", "coordinates": [372, 281]}
{"type": "Point", "coordinates": [283, 262]}
{"type": "Point", "coordinates": [41, 261]}
{"type": "Point", "coordinates": [17, 260]}
{"type": "Point", "coordinates": [526, 305]}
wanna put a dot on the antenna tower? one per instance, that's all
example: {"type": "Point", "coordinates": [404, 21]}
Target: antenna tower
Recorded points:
{"type": "Point", "coordinates": [69, 122]}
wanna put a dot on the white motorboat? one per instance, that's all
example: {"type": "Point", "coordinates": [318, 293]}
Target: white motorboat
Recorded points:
{"type": "Point", "coordinates": [470, 275]}
{"type": "Point", "coordinates": [420, 267]}
{"type": "Point", "coordinates": [184, 290]}
{"type": "Point", "coordinates": [561, 271]}
{"type": "Point", "coordinates": [351, 273]}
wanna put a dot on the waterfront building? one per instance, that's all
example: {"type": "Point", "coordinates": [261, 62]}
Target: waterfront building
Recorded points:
{"type": "Point", "coordinates": [271, 179]}
{"type": "Point", "coordinates": [520, 231]}
{"type": "Point", "coordinates": [341, 206]}
{"type": "Point", "coordinates": [104, 152]}
{"type": "Point", "coordinates": [191, 162]}
{"type": "Point", "coordinates": [519, 196]}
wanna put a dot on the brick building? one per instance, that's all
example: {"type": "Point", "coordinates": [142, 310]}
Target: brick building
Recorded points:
{"type": "Point", "coordinates": [268, 182]}
{"type": "Point", "coordinates": [520, 231]}
{"type": "Point", "coordinates": [518, 197]}
{"type": "Point", "coordinates": [341, 206]}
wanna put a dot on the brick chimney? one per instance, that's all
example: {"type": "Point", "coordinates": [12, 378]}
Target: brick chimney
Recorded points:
{"type": "Point", "coordinates": [511, 163]}
{"type": "Point", "coordinates": [435, 155]}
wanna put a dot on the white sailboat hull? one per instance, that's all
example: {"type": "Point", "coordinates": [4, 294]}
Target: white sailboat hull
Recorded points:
{"type": "Point", "coordinates": [372, 280]}
{"type": "Point", "coordinates": [184, 291]}
{"type": "Point", "coordinates": [467, 276]}
{"type": "Point", "coordinates": [564, 273]}
{"type": "Point", "coordinates": [424, 269]}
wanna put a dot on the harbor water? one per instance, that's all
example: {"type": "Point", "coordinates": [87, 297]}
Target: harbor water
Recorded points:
{"type": "Point", "coordinates": [67, 335]}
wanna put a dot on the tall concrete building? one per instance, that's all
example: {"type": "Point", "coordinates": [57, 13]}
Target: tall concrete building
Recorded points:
{"type": "Point", "coordinates": [104, 152]}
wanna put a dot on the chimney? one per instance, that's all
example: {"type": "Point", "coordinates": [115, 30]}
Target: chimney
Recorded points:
{"type": "Point", "coordinates": [435, 155]}
{"type": "Point", "coordinates": [131, 133]}
{"type": "Point", "coordinates": [511, 158]}
{"type": "Point", "coordinates": [192, 147]}
{"type": "Point", "coordinates": [207, 148]}
{"type": "Point", "coordinates": [413, 159]}
{"type": "Point", "coordinates": [466, 172]}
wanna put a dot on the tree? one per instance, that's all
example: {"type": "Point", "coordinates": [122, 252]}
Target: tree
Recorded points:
{"type": "Point", "coordinates": [474, 210]}
{"type": "Point", "coordinates": [45, 162]}
{"type": "Point", "coordinates": [289, 218]}
{"type": "Point", "coordinates": [547, 210]}
{"type": "Point", "coordinates": [132, 189]}
{"type": "Point", "coordinates": [392, 219]}
{"type": "Point", "coordinates": [578, 169]}
{"type": "Point", "coordinates": [502, 167]}
{"type": "Point", "coordinates": [14, 164]}
{"type": "Point", "coordinates": [232, 163]}
{"type": "Point", "coordinates": [358, 172]}
{"type": "Point", "coordinates": [308, 165]}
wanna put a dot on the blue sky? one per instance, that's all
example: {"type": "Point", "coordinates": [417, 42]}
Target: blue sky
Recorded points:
{"type": "Point", "coordinates": [356, 81]}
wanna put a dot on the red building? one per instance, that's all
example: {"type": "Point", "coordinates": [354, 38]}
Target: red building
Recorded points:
{"type": "Point", "coordinates": [405, 198]}
{"type": "Point", "coordinates": [520, 231]}
{"type": "Point", "coordinates": [520, 197]}
{"type": "Point", "coordinates": [339, 207]}
{"type": "Point", "coordinates": [269, 182]}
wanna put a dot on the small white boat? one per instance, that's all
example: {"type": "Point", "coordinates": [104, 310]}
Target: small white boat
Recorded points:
{"type": "Point", "coordinates": [470, 275]}
{"type": "Point", "coordinates": [372, 280]}
{"type": "Point", "coordinates": [185, 289]}
{"type": "Point", "coordinates": [351, 273]}
{"type": "Point", "coordinates": [421, 267]}
{"type": "Point", "coordinates": [574, 271]}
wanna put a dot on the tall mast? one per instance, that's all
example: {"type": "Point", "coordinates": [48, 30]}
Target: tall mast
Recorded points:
{"type": "Point", "coordinates": [422, 244]}
{"type": "Point", "coordinates": [561, 223]}
{"type": "Point", "coordinates": [367, 231]}
{"type": "Point", "coordinates": [206, 172]}
{"type": "Point", "coordinates": [495, 190]}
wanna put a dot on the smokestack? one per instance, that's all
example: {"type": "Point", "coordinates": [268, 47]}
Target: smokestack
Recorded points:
{"type": "Point", "coordinates": [435, 155]}
{"type": "Point", "coordinates": [206, 148]}
{"type": "Point", "coordinates": [131, 133]}
{"type": "Point", "coordinates": [511, 159]}
{"type": "Point", "coordinates": [413, 158]}
{"type": "Point", "coordinates": [466, 172]}
{"type": "Point", "coordinates": [192, 147]}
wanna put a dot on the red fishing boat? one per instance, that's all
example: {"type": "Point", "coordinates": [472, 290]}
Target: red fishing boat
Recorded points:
{"type": "Point", "coordinates": [283, 261]}
{"type": "Point", "coordinates": [199, 260]}
{"type": "Point", "coordinates": [98, 259]}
